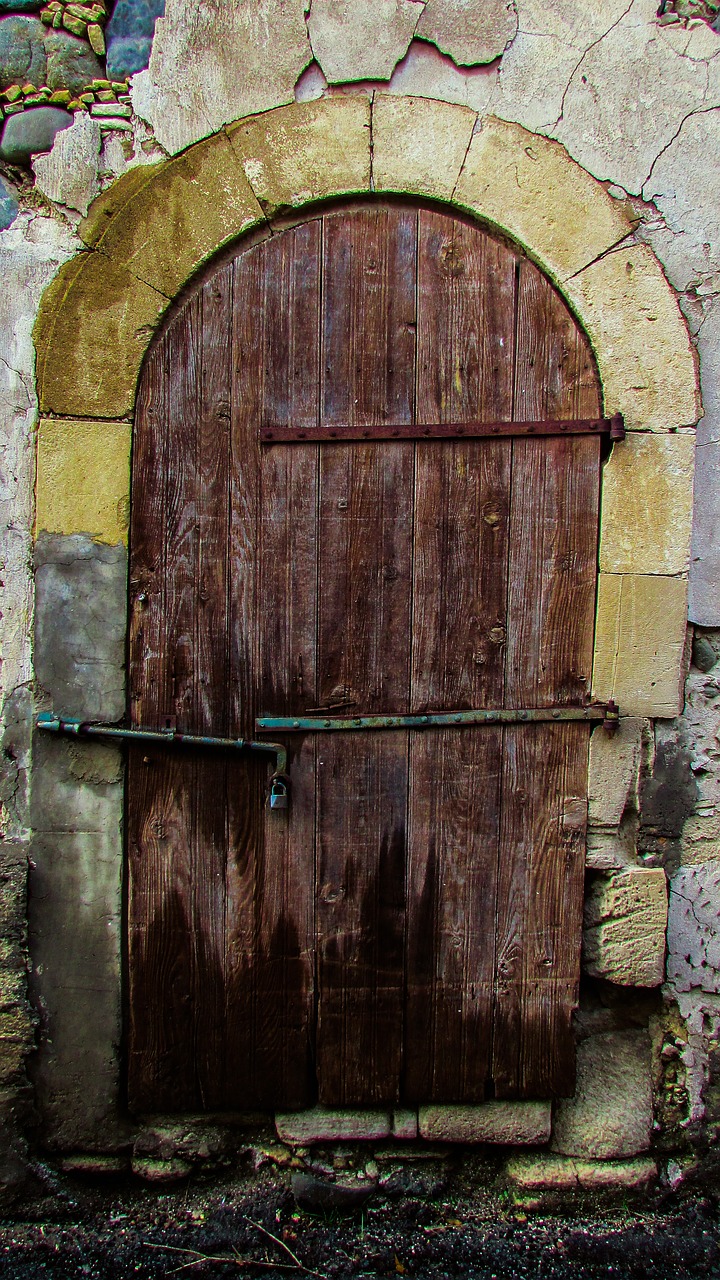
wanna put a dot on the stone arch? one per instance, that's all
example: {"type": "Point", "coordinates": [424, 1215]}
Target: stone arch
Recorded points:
{"type": "Point", "coordinates": [149, 234]}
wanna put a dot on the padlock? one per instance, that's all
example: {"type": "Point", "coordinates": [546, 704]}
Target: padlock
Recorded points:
{"type": "Point", "coordinates": [278, 794]}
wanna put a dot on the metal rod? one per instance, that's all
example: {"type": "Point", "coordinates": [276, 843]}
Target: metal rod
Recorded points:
{"type": "Point", "coordinates": [319, 724]}
{"type": "Point", "coordinates": [168, 737]}
{"type": "Point", "coordinates": [614, 427]}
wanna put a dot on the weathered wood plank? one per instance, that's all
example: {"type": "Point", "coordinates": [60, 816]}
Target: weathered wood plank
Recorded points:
{"type": "Point", "coordinates": [147, 1034]}
{"type": "Point", "coordinates": [365, 529]}
{"type": "Point", "coordinates": [147, 573]}
{"type": "Point", "coordinates": [368, 317]}
{"type": "Point", "coordinates": [466, 324]}
{"type": "Point", "coordinates": [211, 711]}
{"type": "Point", "coordinates": [552, 571]}
{"type": "Point", "coordinates": [160, 953]}
{"type": "Point", "coordinates": [285, 895]}
{"type": "Point", "coordinates": [554, 509]}
{"type": "Point", "coordinates": [246, 779]}
{"type": "Point", "coordinates": [540, 908]}
{"type": "Point", "coordinates": [162, 832]}
{"type": "Point", "coordinates": [362, 815]}
{"type": "Point", "coordinates": [555, 370]}
{"type": "Point", "coordinates": [552, 975]}
{"type": "Point", "coordinates": [460, 561]}
{"type": "Point", "coordinates": [452, 875]}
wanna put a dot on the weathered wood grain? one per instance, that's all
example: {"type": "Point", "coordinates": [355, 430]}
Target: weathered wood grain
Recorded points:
{"type": "Point", "coordinates": [285, 892]}
{"type": "Point", "coordinates": [539, 908]}
{"type": "Point", "coordinates": [364, 575]}
{"type": "Point", "coordinates": [452, 878]}
{"type": "Point", "coordinates": [409, 929]}
{"type": "Point", "coordinates": [211, 711]}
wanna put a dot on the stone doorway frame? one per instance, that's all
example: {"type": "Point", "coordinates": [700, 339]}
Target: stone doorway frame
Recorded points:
{"type": "Point", "coordinates": [155, 228]}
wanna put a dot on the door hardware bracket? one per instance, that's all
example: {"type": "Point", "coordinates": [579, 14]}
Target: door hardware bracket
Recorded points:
{"type": "Point", "coordinates": [607, 713]}
{"type": "Point", "coordinates": [613, 427]}
{"type": "Point", "coordinates": [73, 728]}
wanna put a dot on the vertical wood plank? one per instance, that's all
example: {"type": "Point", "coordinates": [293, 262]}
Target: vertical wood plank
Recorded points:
{"type": "Point", "coordinates": [553, 569]}
{"type": "Point", "coordinates": [285, 899]}
{"type": "Point", "coordinates": [146, 1032]}
{"type": "Point", "coordinates": [460, 566]}
{"type": "Point", "coordinates": [246, 778]}
{"type": "Point", "coordinates": [540, 908]}
{"type": "Point", "coordinates": [554, 510]}
{"type": "Point", "coordinates": [452, 874]}
{"type": "Point", "coordinates": [555, 374]}
{"type": "Point", "coordinates": [181, 561]}
{"type": "Point", "coordinates": [162, 833]}
{"type": "Point", "coordinates": [362, 804]}
{"type": "Point", "coordinates": [160, 1041]}
{"type": "Point", "coordinates": [365, 523]}
{"type": "Point", "coordinates": [211, 682]}
{"type": "Point", "coordinates": [466, 323]}
{"type": "Point", "coordinates": [147, 570]}
{"type": "Point", "coordinates": [466, 326]}
{"type": "Point", "coordinates": [552, 574]}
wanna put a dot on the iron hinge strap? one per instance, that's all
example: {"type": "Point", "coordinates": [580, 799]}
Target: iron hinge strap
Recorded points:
{"type": "Point", "coordinates": [52, 723]}
{"type": "Point", "coordinates": [613, 427]}
{"type": "Point", "coordinates": [607, 713]}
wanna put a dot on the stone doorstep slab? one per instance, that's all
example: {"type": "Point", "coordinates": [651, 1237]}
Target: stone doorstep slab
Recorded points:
{"type": "Point", "coordinates": [321, 1124]}
{"type": "Point", "coordinates": [507, 1123]}
{"type": "Point", "coordinates": [563, 1173]}
{"type": "Point", "coordinates": [510, 1123]}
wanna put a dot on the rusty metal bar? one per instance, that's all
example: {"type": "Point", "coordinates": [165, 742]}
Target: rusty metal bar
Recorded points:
{"type": "Point", "coordinates": [606, 712]}
{"type": "Point", "coordinates": [166, 737]}
{"type": "Point", "coordinates": [614, 427]}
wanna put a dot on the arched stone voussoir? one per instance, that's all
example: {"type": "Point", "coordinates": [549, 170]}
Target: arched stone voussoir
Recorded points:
{"type": "Point", "coordinates": [162, 222]}
{"type": "Point", "coordinates": [307, 151]}
{"type": "Point", "coordinates": [530, 187]}
{"type": "Point", "coordinates": [419, 144]}
{"type": "Point", "coordinates": [151, 231]}
{"type": "Point", "coordinates": [647, 363]}
{"type": "Point", "coordinates": [93, 328]}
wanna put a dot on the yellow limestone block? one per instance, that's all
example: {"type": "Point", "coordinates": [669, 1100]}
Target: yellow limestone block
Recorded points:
{"type": "Point", "coordinates": [83, 478]}
{"type": "Point", "coordinates": [640, 643]}
{"type": "Point", "coordinates": [419, 144]}
{"type": "Point", "coordinates": [307, 151]}
{"type": "Point", "coordinates": [162, 222]}
{"type": "Point", "coordinates": [624, 930]}
{"type": "Point", "coordinates": [646, 361]}
{"type": "Point", "coordinates": [93, 328]}
{"type": "Point", "coordinates": [647, 498]}
{"type": "Point", "coordinates": [530, 187]}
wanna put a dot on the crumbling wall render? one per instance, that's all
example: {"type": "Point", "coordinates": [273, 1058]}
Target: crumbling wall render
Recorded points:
{"type": "Point", "coordinates": [637, 104]}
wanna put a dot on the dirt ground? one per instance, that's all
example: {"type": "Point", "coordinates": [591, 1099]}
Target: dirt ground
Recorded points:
{"type": "Point", "coordinates": [470, 1226]}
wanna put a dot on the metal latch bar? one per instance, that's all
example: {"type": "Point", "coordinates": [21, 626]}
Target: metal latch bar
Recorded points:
{"type": "Point", "coordinates": [52, 723]}
{"type": "Point", "coordinates": [614, 427]}
{"type": "Point", "coordinates": [608, 713]}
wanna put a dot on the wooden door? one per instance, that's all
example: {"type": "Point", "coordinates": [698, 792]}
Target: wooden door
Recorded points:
{"type": "Point", "coordinates": [409, 929]}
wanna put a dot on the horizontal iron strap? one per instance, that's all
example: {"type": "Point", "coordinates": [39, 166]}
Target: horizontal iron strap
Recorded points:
{"type": "Point", "coordinates": [168, 737]}
{"type": "Point", "coordinates": [614, 427]}
{"type": "Point", "coordinates": [318, 724]}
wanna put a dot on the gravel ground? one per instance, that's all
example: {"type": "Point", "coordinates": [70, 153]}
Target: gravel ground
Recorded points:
{"type": "Point", "coordinates": [253, 1227]}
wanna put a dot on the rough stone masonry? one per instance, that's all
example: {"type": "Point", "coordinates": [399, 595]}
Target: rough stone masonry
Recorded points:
{"type": "Point", "coordinates": [590, 126]}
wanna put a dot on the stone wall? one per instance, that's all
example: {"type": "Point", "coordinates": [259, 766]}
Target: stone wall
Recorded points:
{"type": "Point", "coordinates": [634, 98]}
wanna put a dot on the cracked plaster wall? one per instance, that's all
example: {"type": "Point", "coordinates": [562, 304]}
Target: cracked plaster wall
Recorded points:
{"type": "Point", "coordinates": [635, 103]}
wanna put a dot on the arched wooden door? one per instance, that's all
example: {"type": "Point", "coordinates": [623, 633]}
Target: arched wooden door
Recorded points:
{"type": "Point", "coordinates": [409, 928]}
